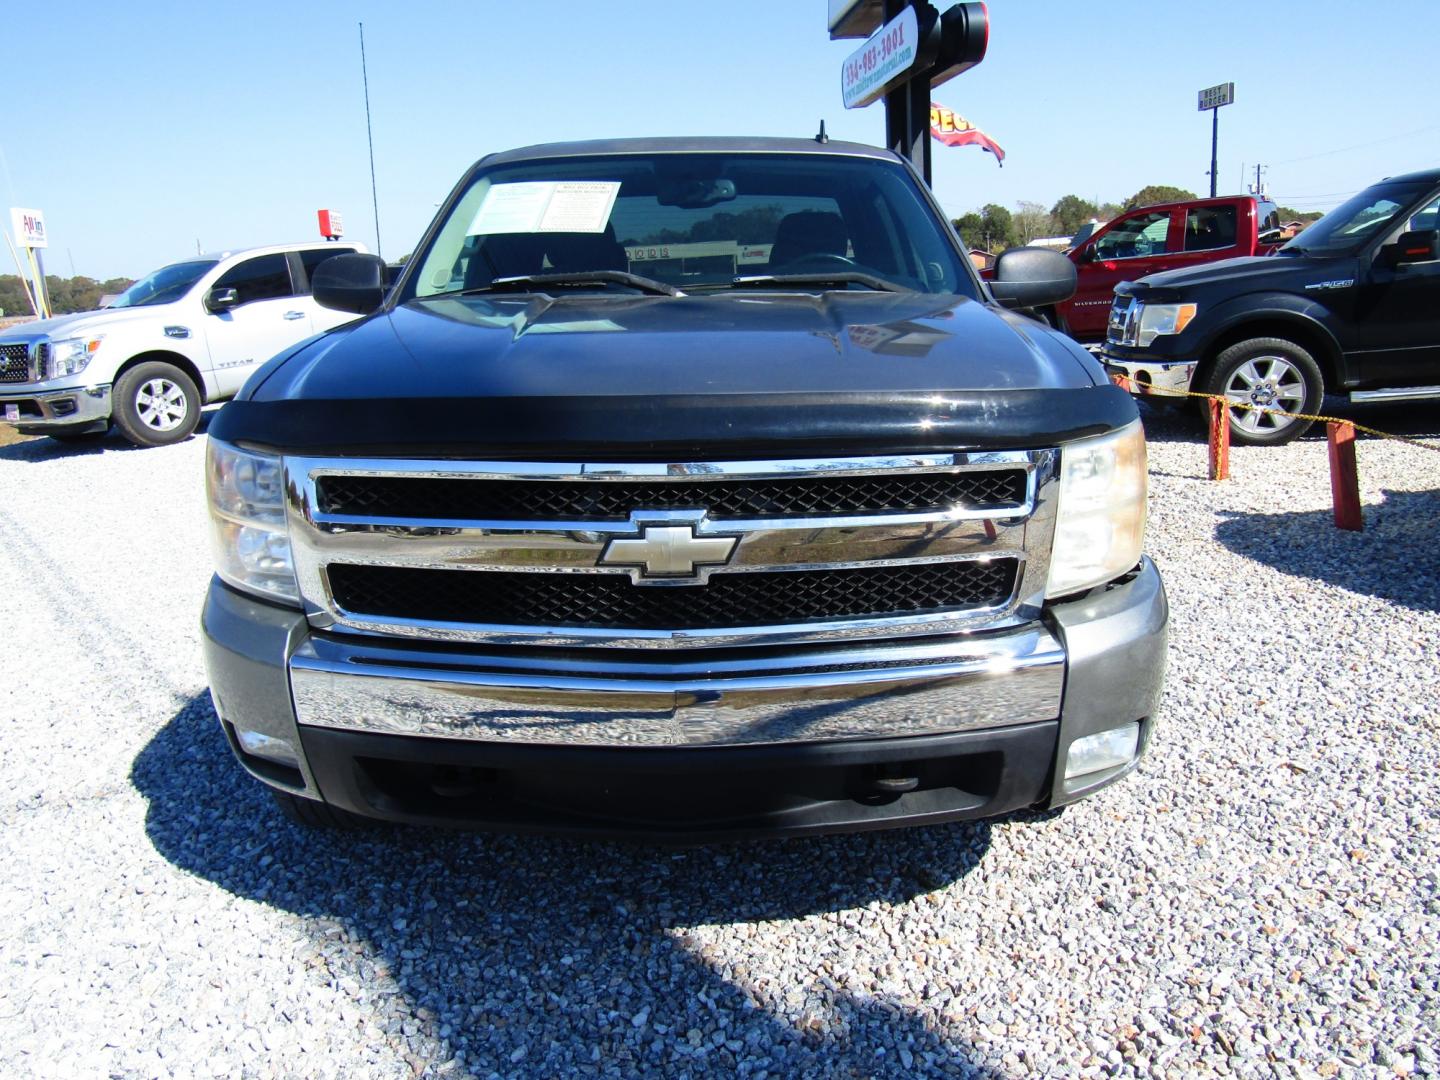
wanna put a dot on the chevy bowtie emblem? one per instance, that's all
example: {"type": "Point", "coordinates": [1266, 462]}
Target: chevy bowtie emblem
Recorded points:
{"type": "Point", "coordinates": [668, 553]}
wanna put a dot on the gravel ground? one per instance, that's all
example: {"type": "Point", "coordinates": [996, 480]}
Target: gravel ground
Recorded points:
{"type": "Point", "coordinates": [1260, 898]}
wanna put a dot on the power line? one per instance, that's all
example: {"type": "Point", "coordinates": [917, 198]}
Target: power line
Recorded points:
{"type": "Point", "coordinates": [1320, 195]}
{"type": "Point", "coordinates": [1358, 146]}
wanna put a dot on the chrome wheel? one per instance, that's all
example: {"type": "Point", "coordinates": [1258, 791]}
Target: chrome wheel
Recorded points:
{"type": "Point", "coordinates": [1265, 382]}
{"type": "Point", "coordinates": [161, 404]}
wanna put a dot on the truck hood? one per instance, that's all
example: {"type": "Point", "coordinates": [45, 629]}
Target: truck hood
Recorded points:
{"type": "Point", "coordinates": [1233, 276]}
{"type": "Point", "coordinates": [81, 322]}
{"type": "Point", "coordinates": [629, 370]}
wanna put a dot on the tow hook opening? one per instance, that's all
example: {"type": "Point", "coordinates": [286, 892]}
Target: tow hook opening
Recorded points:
{"type": "Point", "coordinates": [881, 784]}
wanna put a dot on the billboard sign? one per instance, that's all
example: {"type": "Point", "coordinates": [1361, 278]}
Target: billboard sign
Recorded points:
{"type": "Point", "coordinates": [28, 227]}
{"type": "Point", "coordinates": [1212, 97]}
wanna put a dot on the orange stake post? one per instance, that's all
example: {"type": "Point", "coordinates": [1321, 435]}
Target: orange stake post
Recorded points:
{"type": "Point", "coordinates": [1344, 477]}
{"type": "Point", "coordinates": [1219, 439]}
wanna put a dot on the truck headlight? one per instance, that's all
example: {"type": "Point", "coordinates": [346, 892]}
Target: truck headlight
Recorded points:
{"type": "Point", "coordinates": [1157, 320]}
{"type": "Point", "coordinates": [1100, 519]}
{"type": "Point", "coordinates": [70, 356]}
{"type": "Point", "coordinates": [247, 517]}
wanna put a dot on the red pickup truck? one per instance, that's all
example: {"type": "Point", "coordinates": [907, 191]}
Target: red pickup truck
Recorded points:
{"type": "Point", "coordinates": [1164, 236]}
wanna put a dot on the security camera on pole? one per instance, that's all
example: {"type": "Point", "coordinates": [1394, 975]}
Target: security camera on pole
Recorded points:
{"type": "Point", "coordinates": [1212, 98]}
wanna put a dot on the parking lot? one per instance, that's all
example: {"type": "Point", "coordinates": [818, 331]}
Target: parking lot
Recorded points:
{"type": "Point", "coordinates": [1261, 898]}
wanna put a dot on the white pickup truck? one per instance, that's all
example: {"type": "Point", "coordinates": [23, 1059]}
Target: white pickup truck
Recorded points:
{"type": "Point", "coordinates": [188, 334]}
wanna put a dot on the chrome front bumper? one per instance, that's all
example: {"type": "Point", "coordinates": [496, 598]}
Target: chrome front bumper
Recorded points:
{"type": "Point", "coordinates": [35, 413]}
{"type": "Point", "coordinates": [960, 683]}
{"type": "Point", "coordinates": [1152, 377]}
{"type": "Point", "coordinates": [354, 700]}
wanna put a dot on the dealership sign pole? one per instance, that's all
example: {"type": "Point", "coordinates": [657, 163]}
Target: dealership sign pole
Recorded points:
{"type": "Point", "coordinates": [1212, 97]}
{"type": "Point", "coordinates": [910, 48]}
{"type": "Point", "coordinates": [29, 229]}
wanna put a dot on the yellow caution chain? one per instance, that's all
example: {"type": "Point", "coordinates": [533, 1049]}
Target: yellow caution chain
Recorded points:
{"type": "Point", "coordinates": [1161, 391]}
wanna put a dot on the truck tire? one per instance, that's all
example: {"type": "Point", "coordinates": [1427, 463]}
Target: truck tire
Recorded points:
{"type": "Point", "coordinates": [156, 404]}
{"type": "Point", "coordinates": [316, 815]}
{"type": "Point", "coordinates": [1267, 371]}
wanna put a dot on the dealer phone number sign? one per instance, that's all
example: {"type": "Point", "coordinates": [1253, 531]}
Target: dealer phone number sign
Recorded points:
{"type": "Point", "coordinates": [890, 51]}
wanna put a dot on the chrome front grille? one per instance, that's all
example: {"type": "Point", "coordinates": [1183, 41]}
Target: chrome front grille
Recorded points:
{"type": "Point", "coordinates": [611, 602]}
{"type": "Point", "coordinates": [506, 552]}
{"type": "Point", "coordinates": [15, 363]}
{"type": "Point", "coordinates": [442, 498]}
{"type": "Point", "coordinates": [1124, 321]}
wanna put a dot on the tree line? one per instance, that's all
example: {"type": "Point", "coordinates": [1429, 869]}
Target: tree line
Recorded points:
{"type": "Point", "coordinates": [994, 228]}
{"type": "Point", "coordinates": [67, 295]}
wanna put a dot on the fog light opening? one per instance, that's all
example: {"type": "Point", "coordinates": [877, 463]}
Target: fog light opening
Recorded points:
{"type": "Point", "coordinates": [1101, 751]}
{"type": "Point", "coordinates": [260, 745]}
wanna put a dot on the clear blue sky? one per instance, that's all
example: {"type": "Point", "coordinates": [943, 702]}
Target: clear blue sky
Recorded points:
{"type": "Point", "coordinates": [154, 125]}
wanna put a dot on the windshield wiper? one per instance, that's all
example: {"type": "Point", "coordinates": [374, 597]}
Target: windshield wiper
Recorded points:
{"type": "Point", "coordinates": [842, 277]}
{"type": "Point", "coordinates": [580, 279]}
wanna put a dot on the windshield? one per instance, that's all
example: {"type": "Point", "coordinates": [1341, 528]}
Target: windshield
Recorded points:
{"type": "Point", "coordinates": [1356, 220]}
{"type": "Point", "coordinates": [696, 222]}
{"type": "Point", "coordinates": [164, 285]}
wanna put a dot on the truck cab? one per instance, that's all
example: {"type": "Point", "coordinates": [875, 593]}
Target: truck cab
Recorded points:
{"type": "Point", "coordinates": [1151, 239]}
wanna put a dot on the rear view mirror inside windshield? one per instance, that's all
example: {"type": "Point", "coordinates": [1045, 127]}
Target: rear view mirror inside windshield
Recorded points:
{"type": "Point", "coordinates": [692, 192]}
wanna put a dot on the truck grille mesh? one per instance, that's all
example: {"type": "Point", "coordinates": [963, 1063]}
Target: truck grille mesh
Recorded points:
{"type": "Point", "coordinates": [430, 498]}
{"type": "Point", "coordinates": [611, 601]}
{"type": "Point", "coordinates": [14, 363]}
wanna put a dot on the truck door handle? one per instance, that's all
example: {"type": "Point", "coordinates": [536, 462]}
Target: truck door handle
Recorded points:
{"type": "Point", "coordinates": [294, 314]}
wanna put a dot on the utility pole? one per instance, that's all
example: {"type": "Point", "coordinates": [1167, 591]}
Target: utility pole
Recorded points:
{"type": "Point", "coordinates": [1259, 188]}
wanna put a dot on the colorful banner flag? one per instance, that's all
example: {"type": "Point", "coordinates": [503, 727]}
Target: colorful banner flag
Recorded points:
{"type": "Point", "coordinates": [952, 129]}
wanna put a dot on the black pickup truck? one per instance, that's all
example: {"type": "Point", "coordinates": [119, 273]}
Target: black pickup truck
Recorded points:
{"type": "Point", "coordinates": [1351, 305]}
{"type": "Point", "coordinates": [684, 488]}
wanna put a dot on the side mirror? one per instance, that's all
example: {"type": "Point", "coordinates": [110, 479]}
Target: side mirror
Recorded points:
{"type": "Point", "coordinates": [1028, 277]}
{"type": "Point", "coordinates": [1088, 255]}
{"type": "Point", "coordinates": [218, 300]}
{"type": "Point", "coordinates": [354, 283]}
{"type": "Point", "coordinates": [1413, 247]}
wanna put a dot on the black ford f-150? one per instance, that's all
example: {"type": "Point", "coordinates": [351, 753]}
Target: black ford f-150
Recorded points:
{"type": "Point", "coordinates": [1350, 305]}
{"type": "Point", "coordinates": [684, 488]}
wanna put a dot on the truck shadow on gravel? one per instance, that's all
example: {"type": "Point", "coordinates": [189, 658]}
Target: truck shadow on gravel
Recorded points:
{"type": "Point", "coordinates": [531, 956]}
{"type": "Point", "coordinates": [48, 449]}
{"type": "Point", "coordinates": [1395, 559]}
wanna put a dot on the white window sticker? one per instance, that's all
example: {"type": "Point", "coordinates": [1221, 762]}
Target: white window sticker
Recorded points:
{"type": "Point", "coordinates": [581, 206]}
{"type": "Point", "coordinates": [512, 208]}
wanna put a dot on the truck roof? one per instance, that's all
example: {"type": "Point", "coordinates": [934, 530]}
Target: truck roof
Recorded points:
{"type": "Point", "coordinates": [688, 144]}
{"type": "Point", "coordinates": [1426, 176]}
{"type": "Point", "coordinates": [270, 249]}
{"type": "Point", "coordinates": [1219, 199]}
